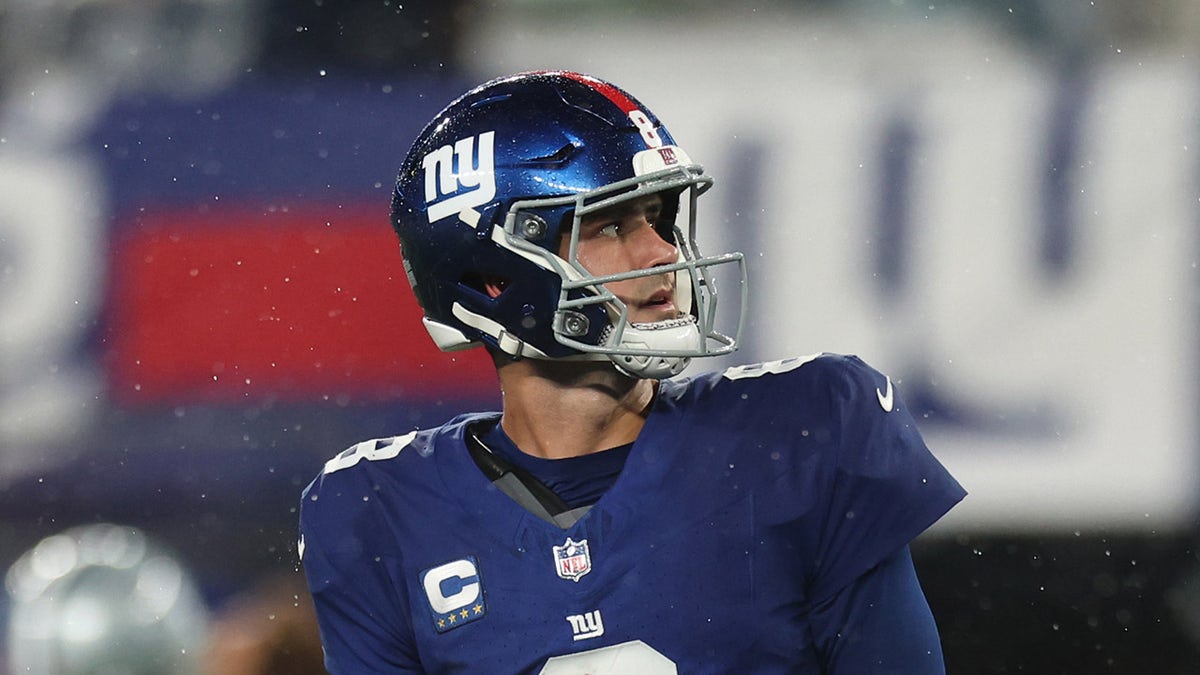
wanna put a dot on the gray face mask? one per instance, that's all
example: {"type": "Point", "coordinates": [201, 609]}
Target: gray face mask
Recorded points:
{"type": "Point", "coordinates": [657, 349]}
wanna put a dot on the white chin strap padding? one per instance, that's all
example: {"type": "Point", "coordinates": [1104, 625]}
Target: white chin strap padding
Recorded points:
{"type": "Point", "coordinates": [650, 367]}
{"type": "Point", "coordinates": [675, 335]}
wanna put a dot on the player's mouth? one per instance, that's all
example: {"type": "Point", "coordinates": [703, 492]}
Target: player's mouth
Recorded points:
{"type": "Point", "coordinates": [658, 306]}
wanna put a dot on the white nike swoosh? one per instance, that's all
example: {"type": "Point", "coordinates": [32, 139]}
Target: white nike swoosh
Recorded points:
{"type": "Point", "coordinates": [885, 400]}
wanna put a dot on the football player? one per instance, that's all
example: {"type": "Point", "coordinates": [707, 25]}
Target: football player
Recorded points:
{"type": "Point", "coordinates": [615, 516]}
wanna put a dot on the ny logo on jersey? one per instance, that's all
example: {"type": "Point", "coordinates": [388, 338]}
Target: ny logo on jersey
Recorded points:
{"type": "Point", "coordinates": [460, 178]}
{"type": "Point", "coordinates": [454, 592]}
{"type": "Point", "coordinates": [572, 560]}
{"type": "Point", "coordinates": [586, 625]}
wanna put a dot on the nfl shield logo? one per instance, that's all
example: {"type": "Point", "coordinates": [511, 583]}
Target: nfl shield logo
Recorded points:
{"type": "Point", "coordinates": [572, 560]}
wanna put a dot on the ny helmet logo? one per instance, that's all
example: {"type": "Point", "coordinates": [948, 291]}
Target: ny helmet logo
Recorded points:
{"type": "Point", "coordinates": [461, 177]}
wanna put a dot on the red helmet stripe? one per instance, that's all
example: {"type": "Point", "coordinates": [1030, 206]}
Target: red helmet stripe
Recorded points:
{"type": "Point", "coordinates": [610, 92]}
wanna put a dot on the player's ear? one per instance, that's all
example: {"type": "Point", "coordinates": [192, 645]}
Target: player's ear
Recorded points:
{"type": "Point", "coordinates": [494, 286]}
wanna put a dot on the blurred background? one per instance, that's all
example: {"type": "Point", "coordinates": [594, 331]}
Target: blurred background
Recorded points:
{"type": "Point", "coordinates": [201, 300]}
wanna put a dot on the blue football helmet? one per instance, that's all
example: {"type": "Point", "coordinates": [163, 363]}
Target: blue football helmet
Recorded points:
{"type": "Point", "coordinates": [497, 185]}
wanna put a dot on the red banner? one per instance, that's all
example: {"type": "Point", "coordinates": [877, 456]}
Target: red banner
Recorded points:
{"type": "Point", "coordinates": [299, 304]}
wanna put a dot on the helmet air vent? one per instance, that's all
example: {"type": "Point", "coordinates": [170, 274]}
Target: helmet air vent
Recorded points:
{"type": "Point", "coordinates": [557, 157]}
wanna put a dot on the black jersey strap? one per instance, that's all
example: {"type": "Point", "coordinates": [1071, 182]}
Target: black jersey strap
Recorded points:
{"type": "Point", "coordinates": [520, 485]}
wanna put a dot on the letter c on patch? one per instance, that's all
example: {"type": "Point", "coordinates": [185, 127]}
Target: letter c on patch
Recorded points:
{"type": "Point", "coordinates": [451, 586]}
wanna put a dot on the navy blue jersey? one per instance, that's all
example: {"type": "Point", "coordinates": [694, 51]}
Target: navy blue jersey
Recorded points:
{"type": "Point", "coordinates": [751, 504]}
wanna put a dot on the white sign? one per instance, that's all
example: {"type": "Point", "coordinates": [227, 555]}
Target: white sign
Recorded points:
{"type": "Point", "coordinates": [1015, 248]}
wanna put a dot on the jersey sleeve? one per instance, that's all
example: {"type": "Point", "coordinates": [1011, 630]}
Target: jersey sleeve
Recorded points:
{"type": "Point", "coordinates": [885, 486]}
{"type": "Point", "coordinates": [364, 627]}
{"type": "Point", "coordinates": [881, 622]}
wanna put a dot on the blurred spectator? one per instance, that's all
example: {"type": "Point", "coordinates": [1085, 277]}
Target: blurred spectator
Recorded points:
{"type": "Point", "coordinates": [103, 599]}
{"type": "Point", "coordinates": [109, 600]}
{"type": "Point", "coordinates": [268, 630]}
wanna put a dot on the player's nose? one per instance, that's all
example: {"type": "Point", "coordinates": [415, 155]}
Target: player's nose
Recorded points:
{"type": "Point", "coordinates": [653, 249]}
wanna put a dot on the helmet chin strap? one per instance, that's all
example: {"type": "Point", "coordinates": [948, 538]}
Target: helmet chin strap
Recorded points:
{"type": "Point", "coordinates": [507, 342]}
{"type": "Point", "coordinates": [671, 335]}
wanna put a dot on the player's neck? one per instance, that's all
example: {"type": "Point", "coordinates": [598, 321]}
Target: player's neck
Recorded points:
{"type": "Point", "coordinates": [556, 410]}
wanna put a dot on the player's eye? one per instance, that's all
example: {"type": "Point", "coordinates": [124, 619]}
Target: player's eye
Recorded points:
{"type": "Point", "coordinates": [610, 230]}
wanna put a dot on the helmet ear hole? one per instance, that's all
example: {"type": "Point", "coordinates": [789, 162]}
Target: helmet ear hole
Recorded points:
{"type": "Point", "coordinates": [494, 286]}
{"type": "Point", "coordinates": [487, 284]}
